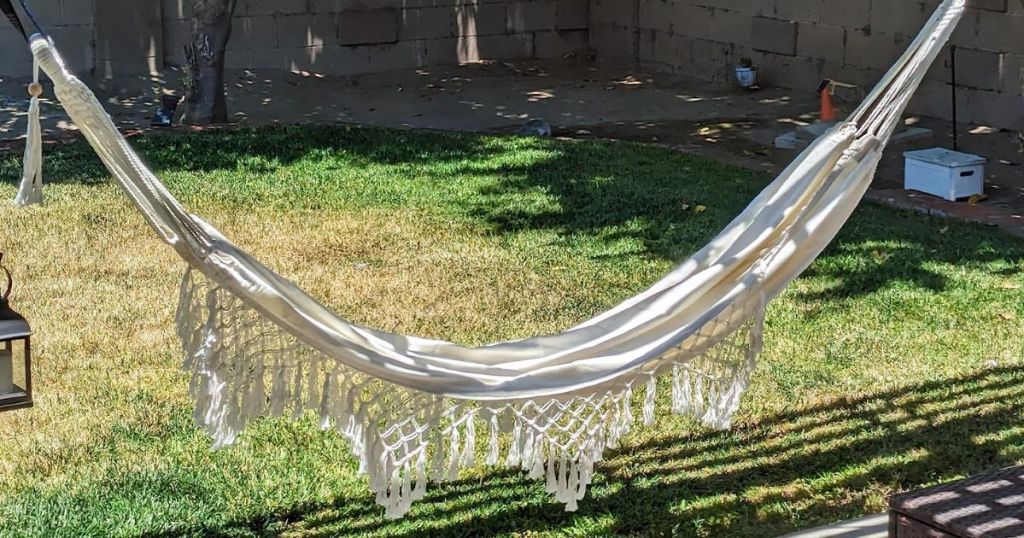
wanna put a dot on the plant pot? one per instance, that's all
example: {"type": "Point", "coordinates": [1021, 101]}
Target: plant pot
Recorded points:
{"type": "Point", "coordinates": [746, 76]}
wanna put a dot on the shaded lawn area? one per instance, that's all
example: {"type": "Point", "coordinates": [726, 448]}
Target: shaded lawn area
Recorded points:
{"type": "Point", "coordinates": [895, 362]}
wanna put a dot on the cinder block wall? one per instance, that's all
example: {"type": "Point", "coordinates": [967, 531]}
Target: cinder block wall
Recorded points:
{"type": "Point", "coordinates": [128, 37]}
{"type": "Point", "coordinates": [797, 43]}
{"type": "Point", "coordinates": [358, 36]}
{"type": "Point", "coordinates": [71, 22]}
{"type": "Point", "coordinates": [131, 37]}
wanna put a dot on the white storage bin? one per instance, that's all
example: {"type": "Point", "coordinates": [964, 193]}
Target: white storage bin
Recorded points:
{"type": "Point", "coordinates": [945, 173]}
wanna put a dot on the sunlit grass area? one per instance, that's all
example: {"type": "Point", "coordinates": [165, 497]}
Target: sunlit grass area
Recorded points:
{"type": "Point", "coordinates": [894, 362]}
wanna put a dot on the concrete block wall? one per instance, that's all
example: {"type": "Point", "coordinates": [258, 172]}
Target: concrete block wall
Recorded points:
{"type": "Point", "coordinates": [358, 36]}
{"type": "Point", "coordinates": [797, 43]}
{"type": "Point", "coordinates": [128, 37]}
{"type": "Point", "coordinates": [71, 22]}
{"type": "Point", "coordinates": [105, 37]}
{"type": "Point", "coordinates": [112, 38]}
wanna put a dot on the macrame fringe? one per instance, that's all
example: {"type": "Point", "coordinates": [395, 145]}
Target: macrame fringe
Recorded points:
{"type": "Point", "coordinates": [244, 367]}
{"type": "Point", "coordinates": [31, 190]}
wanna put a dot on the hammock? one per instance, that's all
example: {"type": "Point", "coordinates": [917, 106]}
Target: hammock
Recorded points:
{"type": "Point", "coordinates": [416, 410]}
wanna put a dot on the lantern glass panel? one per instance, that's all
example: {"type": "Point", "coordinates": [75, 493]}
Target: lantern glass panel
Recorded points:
{"type": "Point", "coordinates": [15, 376]}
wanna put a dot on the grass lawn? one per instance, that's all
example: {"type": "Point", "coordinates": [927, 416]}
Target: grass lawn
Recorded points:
{"type": "Point", "coordinates": [895, 362]}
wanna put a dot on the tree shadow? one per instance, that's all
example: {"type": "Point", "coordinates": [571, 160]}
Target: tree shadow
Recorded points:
{"type": "Point", "coordinates": [788, 471]}
{"type": "Point", "coordinates": [260, 149]}
{"type": "Point", "coordinates": [880, 247]}
{"type": "Point", "coordinates": [651, 196]}
{"type": "Point", "coordinates": [666, 203]}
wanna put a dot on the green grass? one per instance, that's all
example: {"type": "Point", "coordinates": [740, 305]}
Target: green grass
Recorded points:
{"type": "Point", "coordinates": [894, 362]}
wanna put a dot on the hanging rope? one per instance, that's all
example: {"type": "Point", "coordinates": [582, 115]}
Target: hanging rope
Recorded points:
{"type": "Point", "coordinates": [31, 190]}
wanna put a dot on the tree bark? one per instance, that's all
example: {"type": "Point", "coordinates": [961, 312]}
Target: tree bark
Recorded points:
{"type": "Point", "coordinates": [205, 100]}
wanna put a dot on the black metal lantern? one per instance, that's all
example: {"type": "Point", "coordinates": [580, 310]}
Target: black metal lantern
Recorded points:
{"type": "Point", "coordinates": [15, 351]}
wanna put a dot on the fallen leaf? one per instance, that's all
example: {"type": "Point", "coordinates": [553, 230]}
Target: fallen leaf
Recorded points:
{"type": "Point", "coordinates": [1008, 316]}
{"type": "Point", "coordinates": [700, 208]}
{"type": "Point", "coordinates": [1010, 286]}
{"type": "Point", "coordinates": [974, 199]}
{"type": "Point", "coordinates": [944, 229]}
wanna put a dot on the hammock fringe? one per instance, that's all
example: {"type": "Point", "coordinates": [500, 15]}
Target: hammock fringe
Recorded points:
{"type": "Point", "coordinates": [244, 368]}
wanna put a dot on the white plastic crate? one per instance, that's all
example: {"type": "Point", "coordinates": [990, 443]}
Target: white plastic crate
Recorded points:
{"type": "Point", "coordinates": [945, 173]}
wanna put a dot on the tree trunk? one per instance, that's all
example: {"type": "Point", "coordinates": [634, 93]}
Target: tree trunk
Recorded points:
{"type": "Point", "coordinates": [205, 101]}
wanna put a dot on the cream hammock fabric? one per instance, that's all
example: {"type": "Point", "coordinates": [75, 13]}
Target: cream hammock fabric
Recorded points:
{"type": "Point", "coordinates": [417, 410]}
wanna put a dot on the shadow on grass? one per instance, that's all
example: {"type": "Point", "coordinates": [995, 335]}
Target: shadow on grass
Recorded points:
{"type": "Point", "coordinates": [789, 471]}
{"type": "Point", "coordinates": [260, 149]}
{"type": "Point", "coordinates": [664, 203]}
{"type": "Point", "coordinates": [795, 470]}
{"type": "Point", "coordinates": [879, 247]}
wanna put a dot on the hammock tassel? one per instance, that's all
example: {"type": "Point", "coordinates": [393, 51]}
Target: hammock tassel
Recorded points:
{"type": "Point", "coordinates": [492, 452]}
{"type": "Point", "coordinates": [453, 450]}
{"type": "Point", "coordinates": [31, 190]}
{"type": "Point", "coordinates": [652, 386]}
{"type": "Point", "coordinates": [513, 459]}
{"type": "Point", "coordinates": [469, 448]}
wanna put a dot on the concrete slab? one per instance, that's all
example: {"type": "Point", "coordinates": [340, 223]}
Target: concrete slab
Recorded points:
{"type": "Point", "coordinates": [814, 131]}
{"type": "Point", "coordinates": [911, 134]}
{"type": "Point", "coordinates": [790, 140]}
{"type": "Point", "coordinates": [475, 97]}
{"type": "Point", "coordinates": [579, 99]}
{"type": "Point", "coordinates": [867, 527]}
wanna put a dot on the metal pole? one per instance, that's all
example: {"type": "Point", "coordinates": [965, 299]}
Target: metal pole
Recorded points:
{"type": "Point", "coordinates": [952, 69]}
